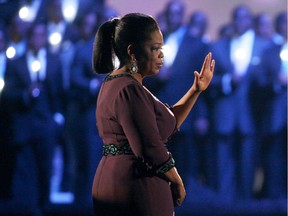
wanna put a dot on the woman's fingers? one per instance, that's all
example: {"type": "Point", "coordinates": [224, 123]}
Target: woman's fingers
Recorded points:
{"type": "Point", "coordinates": [212, 65]}
{"type": "Point", "coordinates": [207, 63]}
{"type": "Point", "coordinates": [204, 63]}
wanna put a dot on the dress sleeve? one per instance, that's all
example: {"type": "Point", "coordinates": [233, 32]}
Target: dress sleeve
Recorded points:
{"type": "Point", "coordinates": [136, 115]}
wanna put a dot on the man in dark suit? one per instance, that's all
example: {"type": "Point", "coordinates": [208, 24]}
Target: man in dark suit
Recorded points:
{"type": "Point", "coordinates": [233, 122]}
{"type": "Point", "coordinates": [85, 143]}
{"type": "Point", "coordinates": [7, 150]}
{"type": "Point", "coordinates": [272, 83]}
{"type": "Point", "coordinates": [34, 89]}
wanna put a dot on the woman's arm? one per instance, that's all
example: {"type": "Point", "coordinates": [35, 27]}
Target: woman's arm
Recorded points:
{"type": "Point", "coordinates": [177, 186]}
{"type": "Point", "coordinates": [201, 81]}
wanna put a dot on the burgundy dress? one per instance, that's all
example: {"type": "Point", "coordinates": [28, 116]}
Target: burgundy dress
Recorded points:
{"type": "Point", "coordinates": [134, 126]}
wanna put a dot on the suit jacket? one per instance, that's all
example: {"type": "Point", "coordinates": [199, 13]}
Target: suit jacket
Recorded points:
{"type": "Point", "coordinates": [5, 121]}
{"type": "Point", "coordinates": [232, 109]}
{"type": "Point", "coordinates": [25, 110]}
{"type": "Point", "coordinates": [82, 74]}
{"type": "Point", "coordinates": [273, 93]}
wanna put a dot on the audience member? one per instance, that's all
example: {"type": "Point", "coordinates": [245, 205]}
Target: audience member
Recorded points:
{"type": "Point", "coordinates": [8, 9]}
{"type": "Point", "coordinates": [85, 85]}
{"type": "Point", "coordinates": [86, 27]}
{"type": "Point", "coordinates": [272, 82]}
{"type": "Point", "coordinates": [162, 22]}
{"type": "Point", "coordinates": [61, 37]}
{"type": "Point", "coordinates": [233, 122]}
{"type": "Point", "coordinates": [198, 24]}
{"type": "Point", "coordinates": [36, 10]}
{"type": "Point", "coordinates": [17, 33]}
{"type": "Point", "coordinates": [60, 33]}
{"type": "Point", "coordinates": [7, 149]}
{"type": "Point", "coordinates": [83, 5]}
{"type": "Point", "coordinates": [278, 38]}
{"type": "Point", "coordinates": [263, 25]}
{"type": "Point", "coordinates": [202, 160]}
{"type": "Point", "coordinates": [225, 31]}
{"type": "Point", "coordinates": [33, 88]}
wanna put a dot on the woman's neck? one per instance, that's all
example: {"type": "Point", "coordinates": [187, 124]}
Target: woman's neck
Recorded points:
{"type": "Point", "coordinates": [123, 70]}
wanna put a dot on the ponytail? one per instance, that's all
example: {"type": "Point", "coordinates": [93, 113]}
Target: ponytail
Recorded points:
{"type": "Point", "coordinates": [102, 59]}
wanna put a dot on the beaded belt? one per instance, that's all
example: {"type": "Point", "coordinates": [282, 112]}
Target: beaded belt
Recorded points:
{"type": "Point", "coordinates": [115, 150]}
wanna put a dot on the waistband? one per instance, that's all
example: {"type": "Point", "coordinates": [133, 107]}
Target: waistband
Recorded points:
{"type": "Point", "coordinates": [112, 149]}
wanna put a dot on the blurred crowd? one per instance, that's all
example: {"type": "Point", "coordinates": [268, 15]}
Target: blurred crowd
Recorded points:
{"type": "Point", "coordinates": [234, 142]}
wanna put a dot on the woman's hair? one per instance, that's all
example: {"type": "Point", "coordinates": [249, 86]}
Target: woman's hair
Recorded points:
{"type": "Point", "coordinates": [114, 36]}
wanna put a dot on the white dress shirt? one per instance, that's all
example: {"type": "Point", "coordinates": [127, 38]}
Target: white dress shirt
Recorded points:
{"type": "Point", "coordinates": [241, 52]}
{"type": "Point", "coordinates": [284, 59]}
{"type": "Point", "coordinates": [172, 44]}
{"type": "Point", "coordinates": [40, 70]}
{"type": "Point", "coordinates": [3, 61]}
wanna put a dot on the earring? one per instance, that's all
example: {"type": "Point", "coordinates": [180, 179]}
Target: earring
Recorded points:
{"type": "Point", "coordinates": [133, 67]}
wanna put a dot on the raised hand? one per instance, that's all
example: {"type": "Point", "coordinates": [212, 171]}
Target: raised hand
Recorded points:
{"type": "Point", "coordinates": [203, 79]}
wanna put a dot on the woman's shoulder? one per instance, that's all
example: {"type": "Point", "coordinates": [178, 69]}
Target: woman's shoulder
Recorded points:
{"type": "Point", "coordinates": [121, 83]}
{"type": "Point", "coordinates": [126, 86]}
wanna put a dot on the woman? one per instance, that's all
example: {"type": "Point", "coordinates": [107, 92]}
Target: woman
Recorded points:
{"type": "Point", "coordinates": [137, 174]}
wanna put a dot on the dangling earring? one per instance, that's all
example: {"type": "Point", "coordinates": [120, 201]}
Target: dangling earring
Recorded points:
{"type": "Point", "coordinates": [133, 67]}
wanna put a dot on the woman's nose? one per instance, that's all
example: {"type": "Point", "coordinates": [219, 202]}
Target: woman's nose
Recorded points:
{"type": "Point", "coordinates": [161, 54]}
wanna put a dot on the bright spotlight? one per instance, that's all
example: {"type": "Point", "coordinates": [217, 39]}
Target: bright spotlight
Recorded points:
{"type": "Point", "coordinates": [2, 84]}
{"type": "Point", "coordinates": [69, 9]}
{"type": "Point", "coordinates": [284, 55]}
{"type": "Point", "coordinates": [24, 13]}
{"type": "Point", "coordinates": [69, 13]}
{"type": "Point", "coordinates": [55, 38]}
{"type": "Point", "coordinates": [240, 53]}
{"type": "Point", "coordinates": [166, 50]}
{"type": "Point", "coordinates": [10, 52]}
{"type": "Point", "coordinates": [35, 66]}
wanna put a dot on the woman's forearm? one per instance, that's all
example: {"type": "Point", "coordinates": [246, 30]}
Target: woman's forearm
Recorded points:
{"type": "Point", "coordinates": [201, 81]}
{"type": "Point", "coordinates": [173, 176]}
{"type": "Point", "coordinates": [183, 107]}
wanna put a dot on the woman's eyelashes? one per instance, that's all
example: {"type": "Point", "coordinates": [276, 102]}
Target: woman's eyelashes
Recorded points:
{"type": "Point", "coordinates": [157, 48]}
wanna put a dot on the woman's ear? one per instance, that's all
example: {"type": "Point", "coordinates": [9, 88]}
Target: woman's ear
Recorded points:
{"type": "Point", "coordinates": [131, 52]}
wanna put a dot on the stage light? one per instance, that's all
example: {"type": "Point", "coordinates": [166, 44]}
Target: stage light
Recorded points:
{"type": "Point", "coordinates": [69, 13]}
{"type": "Point", "coordinates": [284, 59]}
{"type": "Point", "coordinates": [166, 50]}
{"type": "Point", "coordinates": [55, 39]}
{"type": "Point", "coordinates": [24, 13]}
{"type": "Point", "coordinates": [284, 55]}
{"type": "Point", "coordinates": [69, 9]}
{"type": "Point", "coordinates": [168, 55]}
{"type": "Point", "coordinates": [240, 54]}
{"type": "Point", "coordinates": [36, 66]}
{"type": "Point", "coordinates": [10, 52]}
{"type": "Point", "coordinates": [2, 84]}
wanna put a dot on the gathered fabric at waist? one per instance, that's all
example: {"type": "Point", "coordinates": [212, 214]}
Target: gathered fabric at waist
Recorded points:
{"type": "Point", "coordinates": [112, 149]}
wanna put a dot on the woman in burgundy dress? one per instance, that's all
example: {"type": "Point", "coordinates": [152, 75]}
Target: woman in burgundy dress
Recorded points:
{"type": "Point", "coordinates": [137, 175]}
